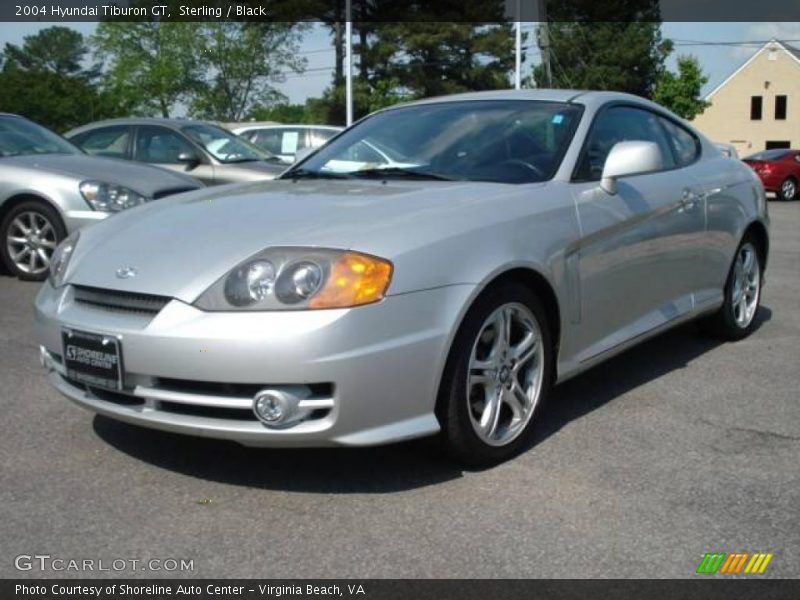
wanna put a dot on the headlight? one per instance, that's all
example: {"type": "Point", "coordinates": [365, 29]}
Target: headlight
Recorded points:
{"type": "Point", "coordinates": [300, 278]}
{"type": "Point", "coordinates": [60, 259]}
{"type": "Point", "coordinates": [298, 282]}
{"type": "Point", "coordinates": [108, 197]}
{"type": "Point", "coordinates": [250, 283]}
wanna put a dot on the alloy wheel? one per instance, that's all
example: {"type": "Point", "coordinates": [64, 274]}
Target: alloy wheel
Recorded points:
{"type": "Point", "coordinates": [746, 285]}
{"type": "Point", "coordinates": [505, 375]}
{"type": "Point", "coordinates": [788, 189]}
{"type": "Point", "coordinates": [31, 241]}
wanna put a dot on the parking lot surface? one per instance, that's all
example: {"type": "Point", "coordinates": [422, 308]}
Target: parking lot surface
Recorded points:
{"type": "Point", "coordinates": [679, 447]}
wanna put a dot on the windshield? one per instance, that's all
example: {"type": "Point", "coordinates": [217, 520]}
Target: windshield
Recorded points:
{"type": "Point", "coordinates": [225, 146]}
{"type": "Point", "coordinates": [768, 155]}
{"type": "Point", "coordinates": [506, 141]}
{"type": "Point", "coordinates": [19, 137]}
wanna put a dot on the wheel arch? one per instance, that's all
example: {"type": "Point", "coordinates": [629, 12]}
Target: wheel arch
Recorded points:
{"type": "Point", "coordinates": [530, 277]}
{"type": "Point", "coordinates": [18, 198]}
{"type": "Point", "coordinates": [541, 287]}
{"type": "Point", "coordinates": [759, 232]}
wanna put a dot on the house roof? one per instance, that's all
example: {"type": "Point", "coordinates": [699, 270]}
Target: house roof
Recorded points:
{"type": "Point", "coordinates": [792, 51]}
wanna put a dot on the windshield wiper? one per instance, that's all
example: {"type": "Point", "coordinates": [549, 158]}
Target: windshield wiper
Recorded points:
{"type": "Point", "coordinates": [401, 173]}
{"type": "Point", "coordinates": [309, 174]}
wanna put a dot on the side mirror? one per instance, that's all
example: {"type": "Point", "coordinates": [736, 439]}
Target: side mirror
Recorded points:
{"type": "Point", "coordinates": [190, 159]}
{"type": "Point", "coordinates": [629, 158]}
{"type": "Point", "coordinates": [303, 153]}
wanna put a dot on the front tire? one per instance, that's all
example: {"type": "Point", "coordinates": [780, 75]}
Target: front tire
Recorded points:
{"type": "Point", "coordinates": [29, 235]}
{"type": "Point", "coordinates": [736, 319]}
{"type": "Point", "coordinates": [788, 189]}
{"type": "Point", "coordinates": [498, 374]}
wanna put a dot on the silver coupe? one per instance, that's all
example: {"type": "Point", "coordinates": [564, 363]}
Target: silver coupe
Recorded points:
{"type": "Point", "coordinates": [522, 238]}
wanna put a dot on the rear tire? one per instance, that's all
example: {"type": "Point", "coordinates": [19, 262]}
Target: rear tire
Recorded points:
{"type": "Point", "coordinates": [29, 235]}
{"type": "Point", "coordinates": [736, 319]}
{"type": "Point", "coordinates": [498, 375]}
{"type": "Point", "coordinates": [788, 189]}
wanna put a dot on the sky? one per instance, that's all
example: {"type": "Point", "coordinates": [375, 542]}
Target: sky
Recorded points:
{"type": "Point", "coordinates": [717, 61]}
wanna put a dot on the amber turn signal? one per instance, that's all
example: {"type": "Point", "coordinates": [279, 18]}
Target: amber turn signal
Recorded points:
{"type": "Point", "coordinates": [354, 279]}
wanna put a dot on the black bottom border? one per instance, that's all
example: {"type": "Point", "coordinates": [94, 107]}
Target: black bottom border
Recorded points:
{"type": "Point", "coordinates": [715, 588]}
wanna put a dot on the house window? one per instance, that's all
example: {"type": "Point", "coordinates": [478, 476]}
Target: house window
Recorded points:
{"type": "Point", "coordinates": [756, 104]}
{"type": "Point", "coordinates": [778, 145]}
{"type": "Point", "coordinates": [780, 108]}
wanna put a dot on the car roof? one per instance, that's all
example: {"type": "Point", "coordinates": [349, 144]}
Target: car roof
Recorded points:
{"type": "Point", "coordinates": [273, 125]}
{"type": "Point", "coordinates": [585, 97]}
{"type": "Point", "coordinates": [172, 123]}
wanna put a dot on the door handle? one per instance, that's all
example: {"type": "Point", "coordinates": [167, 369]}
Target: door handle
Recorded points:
{"type": "Point", "coordinates": [689, 199]}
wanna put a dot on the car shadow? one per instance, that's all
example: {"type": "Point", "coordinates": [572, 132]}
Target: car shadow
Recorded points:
{"type": "Point", "coordinates": [648, 361]}
{"type": "Point", "coordinates": [403, 466]}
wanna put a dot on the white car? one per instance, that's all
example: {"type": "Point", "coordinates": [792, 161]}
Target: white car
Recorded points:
{"type": "Point", "coordinates": [284, 140]}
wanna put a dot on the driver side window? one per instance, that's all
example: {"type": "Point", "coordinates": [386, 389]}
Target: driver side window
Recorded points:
{"type": "Point", "coordinates": [620, 124]}
{"type": "Point", "coordinates": [159, 145]}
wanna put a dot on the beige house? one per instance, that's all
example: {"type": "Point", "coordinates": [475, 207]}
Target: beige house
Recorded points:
{"type": "Point", "coordinates": [758, 106]}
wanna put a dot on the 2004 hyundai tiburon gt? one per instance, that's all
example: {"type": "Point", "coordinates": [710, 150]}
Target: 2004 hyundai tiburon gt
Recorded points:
{"type": "Point", "coordinates": [516, 239]}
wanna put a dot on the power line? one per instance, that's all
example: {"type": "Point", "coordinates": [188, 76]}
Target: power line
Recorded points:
{"type": "Point", "coordinates": [316, 51]}
{"type": "Point", "coordinates": [679, 42]}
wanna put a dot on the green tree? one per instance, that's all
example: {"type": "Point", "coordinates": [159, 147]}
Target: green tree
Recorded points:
{"type": "Point", "coordinates": [242, 63]}
{"type": "Point", "coordinates": [681, 92]}
{"type": "Point", "coordinates": [45, 80]}
{"type": "Point", "coordinates": [399, 60]}
{"type": "Point", "coordinates": [58, 50]}
{"type": "Point", "coordinates": [57, 102]}
{"type": "Point", "coordinates": [620, 56]}
{"type": "Point", "coordinates": [367, 98]}
{"type": "Point", "coordinates": [280, 113]}
{"type": "Point", "coordinates": [150, 66]}
{"type": "Point", "coordinates": [435, 58]}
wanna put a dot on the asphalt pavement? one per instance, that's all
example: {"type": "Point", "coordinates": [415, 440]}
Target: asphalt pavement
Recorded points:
{"type": "Point", "coordinates": [681, 446]}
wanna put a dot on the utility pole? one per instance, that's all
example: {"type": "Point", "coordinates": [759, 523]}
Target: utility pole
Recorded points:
{"type": "Point", "coordinates": [518, 60]}
{"type": "Point", "coordinates": [543, 40]}
{"type": "Point", "coordinates": [348, 34]}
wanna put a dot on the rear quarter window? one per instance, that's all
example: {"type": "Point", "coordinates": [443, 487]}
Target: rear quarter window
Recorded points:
{"type": "Point", "coordinates": [684, 144]}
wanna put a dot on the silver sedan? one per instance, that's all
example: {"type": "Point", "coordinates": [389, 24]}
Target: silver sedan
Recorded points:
{"type": "Point", "coordinates": [203, 150]}
{"type": "Point", "coordinates": [526, 237]}
{"type": "Point", "coordinates": [49, 188]}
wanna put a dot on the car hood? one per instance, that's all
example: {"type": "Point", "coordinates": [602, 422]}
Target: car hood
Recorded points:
{"type": "Point", "coordinates": [144, 179]}
{"type": "Point", "coordinates": [180, 246]}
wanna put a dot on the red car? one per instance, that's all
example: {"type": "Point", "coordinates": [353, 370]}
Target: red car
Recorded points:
{"type": "Point", "coordinates": [779, 171]}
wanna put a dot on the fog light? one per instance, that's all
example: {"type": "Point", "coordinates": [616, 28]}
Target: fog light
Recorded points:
{"type": "Point", "coordinates": [270, 408]}
{"type": "Point", "coordinates": [281, 407]}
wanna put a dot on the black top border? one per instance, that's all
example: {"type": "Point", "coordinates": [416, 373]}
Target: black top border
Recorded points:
{"type": "Point", "coordinates": [475, 11]}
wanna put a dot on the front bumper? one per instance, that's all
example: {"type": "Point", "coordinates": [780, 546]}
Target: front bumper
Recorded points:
{"type": "Point", "coordinates": [375, 368]}
{"type": "Point", "coordinates": [76, 219]}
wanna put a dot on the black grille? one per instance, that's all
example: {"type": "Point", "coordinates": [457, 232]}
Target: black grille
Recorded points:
{"type": "Point", "coordinates": [146, 304]}
{"type": "Point", "coordinates": [120, 398]}
{"type": "Point", "coordinates": [211, 412]}
{"type": "Point", "coordinates": [234, 390]}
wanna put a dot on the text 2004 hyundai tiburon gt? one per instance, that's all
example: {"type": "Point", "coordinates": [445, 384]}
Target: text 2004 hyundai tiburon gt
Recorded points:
{"type": "Point", "coordinates": [436, 268]}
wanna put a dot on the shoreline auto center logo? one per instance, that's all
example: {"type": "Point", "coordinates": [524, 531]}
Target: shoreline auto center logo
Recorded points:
{"type": "Point", "coordinates": [734, 563]}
